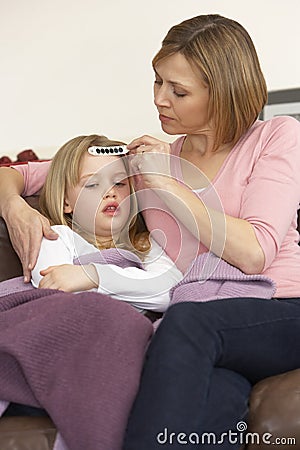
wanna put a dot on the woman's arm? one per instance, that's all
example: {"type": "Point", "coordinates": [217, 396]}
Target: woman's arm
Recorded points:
{"type": "Point", "coordinates": [231, 238]}
{"type": "Point", "coordinates": [26, 226]}
{"type": "Point", "coordinates": [268, 202]}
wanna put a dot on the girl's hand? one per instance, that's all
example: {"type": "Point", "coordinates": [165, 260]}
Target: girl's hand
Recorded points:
{"type": "Point", "coordinates": [69, 278]}
{"type": "Point", "coordinates": [150, 158]}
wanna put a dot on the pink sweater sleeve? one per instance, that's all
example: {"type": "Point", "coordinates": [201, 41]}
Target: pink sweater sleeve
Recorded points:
{"type": "Point", "coordinates": [34, 174]}
{"type": "Point", "coordinates": [272, 196]}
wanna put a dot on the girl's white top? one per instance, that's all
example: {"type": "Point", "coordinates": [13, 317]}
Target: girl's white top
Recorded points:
{"type": "Point", "coordinates": [143, 289]}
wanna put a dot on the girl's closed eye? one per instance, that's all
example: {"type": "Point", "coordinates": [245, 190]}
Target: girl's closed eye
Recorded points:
{"type": "Point", "coordinates": [91, 184]}
{"type": "Point", "coordinates": [120, 180]}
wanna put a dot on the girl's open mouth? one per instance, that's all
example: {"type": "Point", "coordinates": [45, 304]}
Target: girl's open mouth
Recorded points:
{"type": "Point", "coordinates": [111, 209]}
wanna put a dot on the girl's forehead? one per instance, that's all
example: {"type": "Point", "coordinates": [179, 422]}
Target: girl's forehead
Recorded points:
{"type": "Point", "coordinates": [91, 163]}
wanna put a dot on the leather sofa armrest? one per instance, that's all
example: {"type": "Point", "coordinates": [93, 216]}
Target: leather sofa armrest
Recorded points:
{"type": "Point", "coordinates": [10, 265]}
{"type": "Point", "coordinates": [27, 433]}
{"type": "Point", "coordinates": [275, 409]}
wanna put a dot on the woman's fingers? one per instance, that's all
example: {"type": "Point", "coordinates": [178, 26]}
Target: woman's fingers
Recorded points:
{"type": "Point", "coordinates": [26, 228]}
{"type": "Point", "coordinates": [48, 233]}
{"type": "Point", "coordinates": [142, 141]}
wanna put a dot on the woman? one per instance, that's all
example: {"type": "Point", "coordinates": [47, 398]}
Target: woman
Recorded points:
{"type": "Point", "coordinates": [205, 356]}
{"type": "Point", "coordinates": [209, 87]}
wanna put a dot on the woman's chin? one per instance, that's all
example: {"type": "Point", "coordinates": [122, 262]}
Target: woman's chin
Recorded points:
{"type": "Point", "coordinates": [169, 130]}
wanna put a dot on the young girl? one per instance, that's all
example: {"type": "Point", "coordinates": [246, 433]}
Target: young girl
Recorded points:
{"type": "Point", "coordinates": [90, 203]}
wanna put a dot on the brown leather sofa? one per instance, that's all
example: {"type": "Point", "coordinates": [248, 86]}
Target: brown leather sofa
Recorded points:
{"type": "Point", "coordinates": [274, 404]}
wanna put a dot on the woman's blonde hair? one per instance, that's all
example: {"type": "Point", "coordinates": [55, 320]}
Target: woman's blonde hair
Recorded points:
{"type": "Point", "coordinates": [223, 53]}
{"type": "Point", "coordinates": [65, 173]}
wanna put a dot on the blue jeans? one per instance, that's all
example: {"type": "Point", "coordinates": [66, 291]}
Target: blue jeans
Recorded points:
{"type": "Point", "coordinates": [200, 367]}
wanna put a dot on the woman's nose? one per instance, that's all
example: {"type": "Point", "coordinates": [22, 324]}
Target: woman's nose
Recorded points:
{"type": "Point", "coordinates": [160, 97]}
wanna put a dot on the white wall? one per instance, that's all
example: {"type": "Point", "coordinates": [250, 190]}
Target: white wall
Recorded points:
{"type": "Point", "coordinates": [71, 67]}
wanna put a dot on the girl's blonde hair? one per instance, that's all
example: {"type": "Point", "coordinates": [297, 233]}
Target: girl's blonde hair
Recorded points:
{"type": "Point", "coordinates": [65, 173]}
{"type": "Point", "coordinates": [224, 55]}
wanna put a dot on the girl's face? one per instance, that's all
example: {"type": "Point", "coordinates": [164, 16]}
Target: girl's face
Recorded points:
{"type": "Point", "coordinates": [181, 97]}
{"type": "Point", "coordinates": [100, 202]}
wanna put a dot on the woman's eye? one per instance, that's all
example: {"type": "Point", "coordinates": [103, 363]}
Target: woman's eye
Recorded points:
{"type": "Point", "coordinates": [119, 183]}
{"type": "Point", "coordinates": [91, 185]}
{"type": "Point", "coordinates": [158, 82]}
{"type": "Point", "coordinates": [179, 94]}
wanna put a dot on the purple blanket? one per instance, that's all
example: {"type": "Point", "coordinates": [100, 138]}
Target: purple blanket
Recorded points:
{"type": "Point", "coordinates": [79, 356]}
{"type": "Point", "coordinates": [211, 278]}
{"type": "Point", "coordinates": [119, 257]}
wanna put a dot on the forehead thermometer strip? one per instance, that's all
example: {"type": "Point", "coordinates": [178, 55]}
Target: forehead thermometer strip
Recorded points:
{"type": "Point", "coordinates": [113, 150]}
